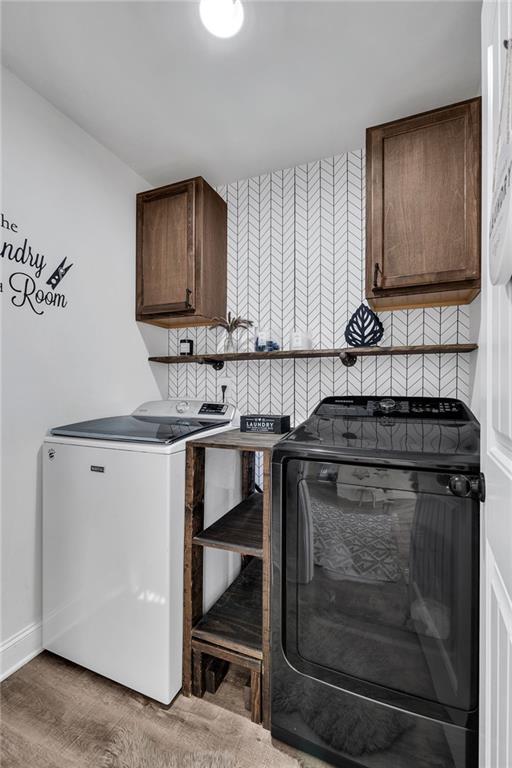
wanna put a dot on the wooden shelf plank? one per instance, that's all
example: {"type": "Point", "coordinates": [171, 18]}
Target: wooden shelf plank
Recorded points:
{"type": "Point", "coordinates": [234, 439]}
{"type": "Point", "coordinates": [420, 349]}
{"type": "Point", "coordinates": [235, 620]}
{"type": "Point", "coordinates": [239, 530]}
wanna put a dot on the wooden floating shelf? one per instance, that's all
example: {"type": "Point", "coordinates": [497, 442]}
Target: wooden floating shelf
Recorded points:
{"type": "Point", "coordinates": [239, 530]}
{"type": "Point", "coordinates": [235, 440]}
{"type": "Point", "coordinates": [347, 355]}
{"type": "Point", "coordinates": [235, 620]}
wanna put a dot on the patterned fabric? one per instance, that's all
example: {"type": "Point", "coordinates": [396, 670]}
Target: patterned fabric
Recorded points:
{"type": "Point", "coordinates": [354, 545]}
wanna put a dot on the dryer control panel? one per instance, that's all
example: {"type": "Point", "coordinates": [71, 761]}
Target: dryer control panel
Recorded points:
{"type": "Point", "coordinates": [420, 407]}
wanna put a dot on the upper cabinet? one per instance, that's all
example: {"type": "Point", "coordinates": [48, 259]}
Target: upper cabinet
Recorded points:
{"type": "Point", "coordinates": [423, 209]}
{"type": "Point", "coordinates": [181, 254]}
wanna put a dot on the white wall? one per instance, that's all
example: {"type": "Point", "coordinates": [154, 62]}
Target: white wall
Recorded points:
{"type": "Point", "coordinates": [72, 199]}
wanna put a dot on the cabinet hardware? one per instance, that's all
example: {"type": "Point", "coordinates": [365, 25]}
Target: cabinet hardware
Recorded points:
{"type": "Point", "coordinates": [376, 272]}
{"type": "Point", "coordinates": [188, 294]}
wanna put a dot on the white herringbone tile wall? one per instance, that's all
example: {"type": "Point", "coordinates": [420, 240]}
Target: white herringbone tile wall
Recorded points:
{"type": "Point", "coordinates": [296, 260]}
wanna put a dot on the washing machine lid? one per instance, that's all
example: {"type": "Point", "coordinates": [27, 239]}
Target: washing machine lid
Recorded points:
{"type": "Point", "coordinates": [137, 429]}
{"type": "Point", "coordinates": [160, 422]}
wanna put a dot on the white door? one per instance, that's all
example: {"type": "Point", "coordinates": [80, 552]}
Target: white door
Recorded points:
{"type": "Point", "coordinates": [495, 363]}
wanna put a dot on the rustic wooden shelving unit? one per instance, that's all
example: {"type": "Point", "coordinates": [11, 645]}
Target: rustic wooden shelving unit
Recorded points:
{"type": "Point", "coordinates": [239, 530]}
{"type": "Point", "coordinates": [347, 355]}
{"type": "Point", "coordinates": [236, 629]}
{"type": "Point", "coordinates": [235, 620]}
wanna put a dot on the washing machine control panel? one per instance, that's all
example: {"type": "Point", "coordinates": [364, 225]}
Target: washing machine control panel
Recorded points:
{"type": "Point", "coordinates": [181, 407]}
{"type": "Point", "coordinates": [213, 409]}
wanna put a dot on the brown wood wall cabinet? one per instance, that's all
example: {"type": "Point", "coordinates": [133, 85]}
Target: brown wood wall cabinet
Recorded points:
{"type": "Point", "coordinates": [181, 254]}
{"type": "Point", "coordinates": [423, 209]}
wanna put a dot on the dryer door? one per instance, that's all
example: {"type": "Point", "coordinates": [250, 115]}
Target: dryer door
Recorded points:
{"type": "Point", "coordinates": [380, 580]}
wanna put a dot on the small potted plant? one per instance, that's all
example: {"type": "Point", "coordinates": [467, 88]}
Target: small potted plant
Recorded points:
{"type": "Point", "coordinates": [230, 324]}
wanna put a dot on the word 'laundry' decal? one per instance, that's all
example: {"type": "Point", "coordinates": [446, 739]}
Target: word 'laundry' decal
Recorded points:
{"type": "Point", "coordinates": [25, 291]}
{"type": "Point", "coordinates": [23, 254]}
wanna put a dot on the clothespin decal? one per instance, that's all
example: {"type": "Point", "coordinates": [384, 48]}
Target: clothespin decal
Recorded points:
{"type": "Point", "coordinates": [59, 273]}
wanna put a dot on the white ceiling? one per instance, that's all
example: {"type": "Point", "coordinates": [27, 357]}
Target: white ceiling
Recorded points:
{"type": "Point", "coordinates": [301, 81]}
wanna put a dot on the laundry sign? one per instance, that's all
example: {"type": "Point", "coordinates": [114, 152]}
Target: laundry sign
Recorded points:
{"type": "Point", "coordinates": [33, 280]}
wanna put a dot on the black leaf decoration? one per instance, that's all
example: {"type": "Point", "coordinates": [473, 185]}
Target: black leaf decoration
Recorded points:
{"type": "Point", "coordinates": [364, 329]}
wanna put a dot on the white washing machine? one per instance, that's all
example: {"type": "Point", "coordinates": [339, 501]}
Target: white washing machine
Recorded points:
{"type": "Point", "coordinates": [113, 522]}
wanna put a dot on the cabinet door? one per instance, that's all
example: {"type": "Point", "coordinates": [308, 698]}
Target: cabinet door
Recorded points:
{"type": "Point", "coordinates": [166, 250]}
{"type": "Point", "coordinates": [423, 177]}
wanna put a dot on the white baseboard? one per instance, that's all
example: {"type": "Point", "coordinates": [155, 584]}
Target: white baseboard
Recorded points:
{"type": "Point", "coordinates": [18, 649]}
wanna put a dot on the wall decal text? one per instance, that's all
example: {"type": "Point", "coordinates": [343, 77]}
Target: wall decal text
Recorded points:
{"type": "Point", "coordinates": [23, 286]}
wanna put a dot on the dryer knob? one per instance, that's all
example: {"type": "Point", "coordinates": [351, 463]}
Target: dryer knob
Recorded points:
{"type": "Point", "coordinates": [460, 485]}
{"type": "Point", "coordinates": [182, 406]}
{"type": "Point", "coordinates": [387, 405]}
{"type": "Point", "coordinates": [468, 485]}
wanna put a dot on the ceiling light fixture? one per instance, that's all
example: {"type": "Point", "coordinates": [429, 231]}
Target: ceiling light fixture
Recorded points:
{"type": "Point", "coordinates": [223, 18]}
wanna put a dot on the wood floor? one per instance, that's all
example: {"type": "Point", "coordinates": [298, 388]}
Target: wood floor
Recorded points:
{"type": "Point", "coordinates": [55, 714]}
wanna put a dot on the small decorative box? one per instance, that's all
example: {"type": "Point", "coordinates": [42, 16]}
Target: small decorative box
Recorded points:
{"type": "Point", "coordinates": [265, 423]}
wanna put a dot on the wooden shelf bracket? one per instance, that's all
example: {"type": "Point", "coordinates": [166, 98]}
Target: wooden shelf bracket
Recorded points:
{"type": "Point", "coordinates": [348, 358]}
{"type": "Point", "coordinates": [216, 364]}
